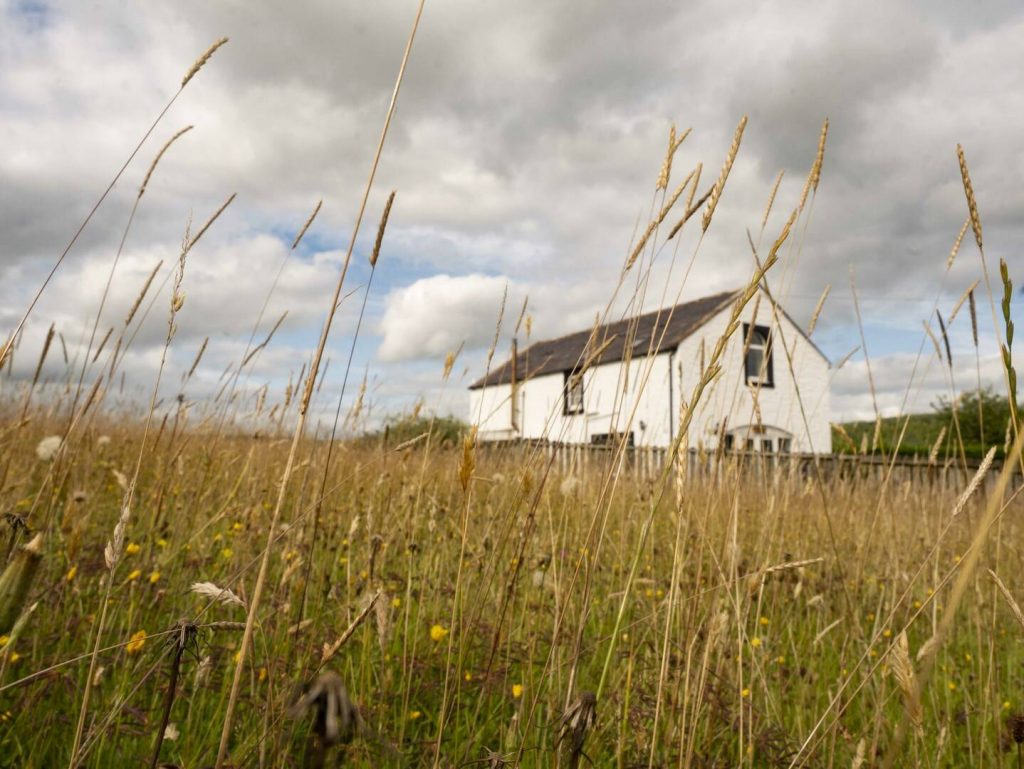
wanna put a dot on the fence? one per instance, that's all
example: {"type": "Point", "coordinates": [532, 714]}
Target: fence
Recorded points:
{"type": "Point", "coordinates": [648, 462]}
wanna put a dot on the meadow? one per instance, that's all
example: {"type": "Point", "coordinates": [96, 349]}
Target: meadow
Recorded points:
{"type": "Point", "coordinates": [464, 622]}
{"type": "Point", "coordinates": [209, 584]}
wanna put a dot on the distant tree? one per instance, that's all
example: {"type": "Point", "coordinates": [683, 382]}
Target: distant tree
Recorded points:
{"type": "Point", "coordinates": [983, 416]}
{"type": "Point", "coordinates": [444, 431]}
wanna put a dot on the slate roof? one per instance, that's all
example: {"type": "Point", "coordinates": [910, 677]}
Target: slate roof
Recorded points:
{"type": "Point", "coordinates": [567, 352]}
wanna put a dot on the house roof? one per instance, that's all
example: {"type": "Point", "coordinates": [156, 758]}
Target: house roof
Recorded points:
{"type": "Point", "coordinates": [667, 327]}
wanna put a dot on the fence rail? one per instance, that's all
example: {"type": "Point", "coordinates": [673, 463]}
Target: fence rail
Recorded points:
{"type": "Point", "coordinates": [648, 462]}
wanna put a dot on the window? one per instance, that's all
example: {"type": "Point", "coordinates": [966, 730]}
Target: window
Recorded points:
{"type": "Point", "coordinates": [572, 392]}
{"type": "Point", "coordinates": [612, 439]}
{"type": "Point", "coordinates": [766, 445]}
{"type": "Point", "coordinates": [758, 367]}
{"type": "Point", "coordinates": [784, 445]}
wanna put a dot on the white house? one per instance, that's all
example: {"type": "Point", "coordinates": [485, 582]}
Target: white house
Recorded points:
{"type": "Point", "coordinates": [631, 377]}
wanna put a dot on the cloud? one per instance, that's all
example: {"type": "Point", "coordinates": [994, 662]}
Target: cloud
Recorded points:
{"type": "Point", "coordinates": [904, 383]}
{"type": "Point", "coordinates": [436, 315]}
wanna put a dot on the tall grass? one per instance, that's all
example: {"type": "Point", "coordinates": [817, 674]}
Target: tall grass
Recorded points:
{"type": "Point", "coordinates": [213, 584]}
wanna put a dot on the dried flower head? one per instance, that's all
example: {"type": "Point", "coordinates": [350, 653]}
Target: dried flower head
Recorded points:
{"type": "Point", "coordinates": [577, 720]}
{"type": "Point", "coordinates": [336, 717]}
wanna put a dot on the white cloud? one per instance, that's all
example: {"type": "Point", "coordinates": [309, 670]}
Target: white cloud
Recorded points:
{"type": "Point", "coordinates": [906, 384]}
{"type": "Point", "coordinates": [433, 316]}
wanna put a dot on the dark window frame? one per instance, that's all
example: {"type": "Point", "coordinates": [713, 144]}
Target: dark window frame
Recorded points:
{"type": "Point", "coordinates": [572, 394]}
{"type": "Point", "coordinates": [613, 439]}
{"type": "Point", "coordinates": [757, 379]}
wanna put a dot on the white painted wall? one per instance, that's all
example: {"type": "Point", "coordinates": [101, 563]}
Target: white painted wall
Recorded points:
{"type": "Point", "coordinates": [780, 407]}
{"type": "Point", "coordinates": [616, 404]}
{"type": "Point", "coordinates": [611, 402]}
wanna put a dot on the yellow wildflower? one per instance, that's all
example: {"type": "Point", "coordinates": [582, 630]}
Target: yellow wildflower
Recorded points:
{"type": "Point", "coordinates": [263, 675]}
{"type": "Point", "coordinates": [161, 542]}
{"type": "Point", "coordinates": [136, 642]}
{"type": "Point", "coordinates": [755, 642]}
{"type": "Point", "coordinates": [71, 573]}
{"type": "Point", "coordinates": [227, 552]}
{"type": "Point", "coordinates": [396, 602]}
{"type": "Point", "coordinates": [437, 633]}
{"type": "Point", "coordinates": [517, 691]}
{"type": "Point", "coordinates": [134, 574]}
{"type": "Point", "coordinates": [414, 714]}
{"type": "Point", "coordinates": [154, 577]}
{"type": "Point", "coordinates": [131, 548]}
{"type": "Point", "coordinates": [764, 621]}
{"type": "Point", "coordinates": [745, 694]}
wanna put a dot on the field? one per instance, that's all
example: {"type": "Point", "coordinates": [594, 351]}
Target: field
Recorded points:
{"type": "Point", "coordinates": [716, 629]}
{"type": "Point", "coordinates": [193, 584]}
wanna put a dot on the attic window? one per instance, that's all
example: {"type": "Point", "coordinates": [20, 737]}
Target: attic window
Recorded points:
{"type": "Point", "coordinates": [572, 394]}
{"type": "Point", "coordinates": [758, 369]}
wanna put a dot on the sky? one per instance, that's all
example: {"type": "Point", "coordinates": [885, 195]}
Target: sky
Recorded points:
{"type": "Point", "coordinates": [524, 151]}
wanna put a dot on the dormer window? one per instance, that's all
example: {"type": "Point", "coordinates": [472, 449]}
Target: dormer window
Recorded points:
{"type": "Point", "coordinates": [572, 394]}
{"type": "Point", "coordinates": [758, 369]}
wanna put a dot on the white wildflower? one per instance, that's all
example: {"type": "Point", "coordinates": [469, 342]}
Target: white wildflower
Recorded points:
{"type": "Point", "coordinates": [48, 447]}
{"type": "Point", "coordinates": [171, 732]}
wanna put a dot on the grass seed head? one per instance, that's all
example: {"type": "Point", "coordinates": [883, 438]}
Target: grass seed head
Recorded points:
{"type": "Point", "coordinates": [201, 61]}
{"type": "Point", "coordinates": [972, 204]}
